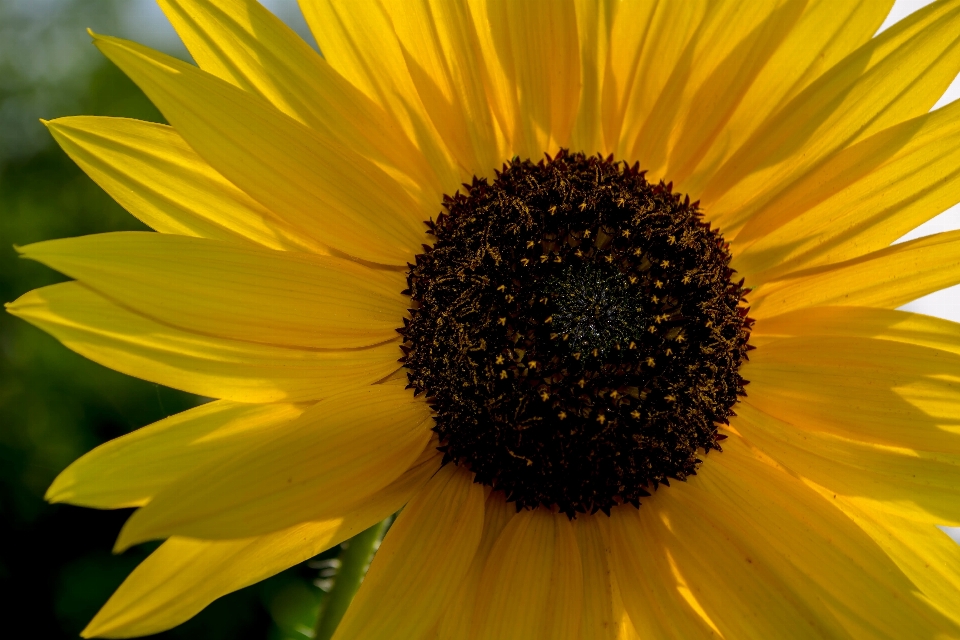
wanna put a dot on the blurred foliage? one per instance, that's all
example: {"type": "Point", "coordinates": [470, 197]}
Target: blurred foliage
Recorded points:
{"type": "Point", "coordinates": [56, 568]}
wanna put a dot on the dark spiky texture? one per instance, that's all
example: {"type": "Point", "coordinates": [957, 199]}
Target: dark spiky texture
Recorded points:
{"type": "Point", "coordinates": [577, 332]}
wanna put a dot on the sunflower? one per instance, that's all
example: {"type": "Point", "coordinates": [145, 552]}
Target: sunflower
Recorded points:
{"type": "Point", "coordinates": [641, 372]}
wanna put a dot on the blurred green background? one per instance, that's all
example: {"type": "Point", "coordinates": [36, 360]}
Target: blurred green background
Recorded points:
{"type": "Point", "coordinates": [56, 568]}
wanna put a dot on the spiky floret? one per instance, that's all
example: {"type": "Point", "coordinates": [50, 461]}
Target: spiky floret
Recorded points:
{"type": "Point", "coordinates": [577, 332]}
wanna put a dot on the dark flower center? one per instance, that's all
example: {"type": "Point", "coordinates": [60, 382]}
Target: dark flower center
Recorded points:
{"type": "Point", "coordinates": [577, 333]}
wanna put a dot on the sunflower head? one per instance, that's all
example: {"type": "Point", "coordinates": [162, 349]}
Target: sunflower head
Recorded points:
{"type": "Point", "coordinates": [577, 332]}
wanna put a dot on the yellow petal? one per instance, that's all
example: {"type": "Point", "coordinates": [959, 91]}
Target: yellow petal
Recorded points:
{"type": "Point", "coordinates": [878, 391]}
{"type": "Point", "coordinates": [863, 322]}
{"type": "Point", "coordinates": [340, 450]}
{"type": "Point", "coordinates": [898, 75]}
{"type": "Point", "coordinates": [660, 604]}
{"type": "Point", "coordinates": [717, 69]}
{"type": "Point", "coordinates": [214, 367]}
{"type": "Point", "coordinates": [530, 51]}
{"type": "Point", "coordinates": [308, 179]}
{"type": "Point", "coordinates": [594, 26]}
{"type": "Point", "coordinates": [441, 50]}
{"type": "Point", "coordinates": [154, 175]}
{"type": "Point", "coordinates": [600, 620]}
{"type": "Point", "coordinates": [915, 484]}
{"type": "Point", "coordinates": [131, 469]}
{"type": "Point", "coordinates": [457, 621]}
{"type": "Point", "coordinates": [532, 585]}
{"type": "Point", "coordinates": [764, 556]}
{"type": "Point", "coordinates": [649, 41]}
{"type": "Point", "coordinates": [421, 561]}
{"type": "Point", "coordinates": [360, 43]}
{"type": "Point", "coordinates": [185, 575]}
{"type": "Point", "coordinates": [927, 556]}
{"type": "Point", "coordinates": [826, 32]}
{"type": "Point", "coordinates": [233, 291]}
{"type": "Point", "coordinates": [242, 43]}
{"type": "Point", "coordinates": [860, 200]}
{"type": "Point", "coordinates": [886, 278]}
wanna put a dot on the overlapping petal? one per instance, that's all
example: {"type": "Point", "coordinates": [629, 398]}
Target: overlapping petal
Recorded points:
{"type": "Point", "coordinates": [532, 584]}
{"type": "Point", "coordinates": [893, 77]}
{"type": "Point", "coordinates": [235, 370]}
{"type": "Point", "coordinates": [878, 391]}
{"type": "Point", "coordinates": [232, 291]}
{"type": "Point", "coordinates": [738, 543]}
{"type": "Point", "coordinates": [159, 179]}
{"type": "Point", "coordinates": [340, 450]}
{"type": "Point", "coordinates": [421, 561]}
{"type": "Point", "coordinates": [128, 471]}
{"type": "Point", "coordinates": [184, 575]}
{"type": "Point", "coordinates": [312, 181]}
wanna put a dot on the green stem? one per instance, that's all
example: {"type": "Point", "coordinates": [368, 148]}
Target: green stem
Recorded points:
{"type": "Point", "coordinates": [353, 563]}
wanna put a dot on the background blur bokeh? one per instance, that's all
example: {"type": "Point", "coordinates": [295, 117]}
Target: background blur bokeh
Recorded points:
{"type": "Point", "coordinates": [56, 568]}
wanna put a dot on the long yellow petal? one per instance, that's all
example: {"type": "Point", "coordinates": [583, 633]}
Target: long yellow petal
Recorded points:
{"type": "Point", "coordinates": [827, 31]}
{"type": "Point", "coordinates": [594, 25]}
{"type": "Point", "coordinates": [233, 291]}
{"type": "Point", "coordinates": [863, 322]}
{"type": "Point", "coordinates": [457, 621]}
{"type": "Point", "coordinates": [600, 619]}
{"type": "Point", "coordinates": [360, 43]}
{"type": "Point", "coordinates": [185, 575]}
{"type": "Point", "coordinates": [158, 178]}
{"type": "Point", "coordinates": [877, 391]}
{"type": "Point", "coordinates": [128, 471]}
{"type": "Point", "coordinates": [658, 604]}
{"type": "Point", "coordinates": [532, 585]}
{"type": "Point", "coordinates": [531, 53]}
{"type": "Point", "coordinates": [421, 561]}
{"type": "Point", "coordinates": [242, 43]}
{"type": "Point", "coordinates": [340, 450]}
{"type": "Point", "coordinates": [719, 67]}
{"type": "Point", "coordinates": [310, 180]}
{"type": "Point", "coordinates": [649, 41]}
{"type": "Point", "coordinates": [927, 556]}
{"type": "Point", "coordinates": [915, 484]}
{"type": "Point", "coordinates": [442, 53]}
{"type": "Point", "coordinates": [886, 278]}
{"type": "Point", "coordinates": [860, 200]}
{"type": "Point", "coordinates": [896, 76]}
{"type": "Point", "coordinates": [764, 556]}
{"type": "Point", "coordinates": [125, 341]}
